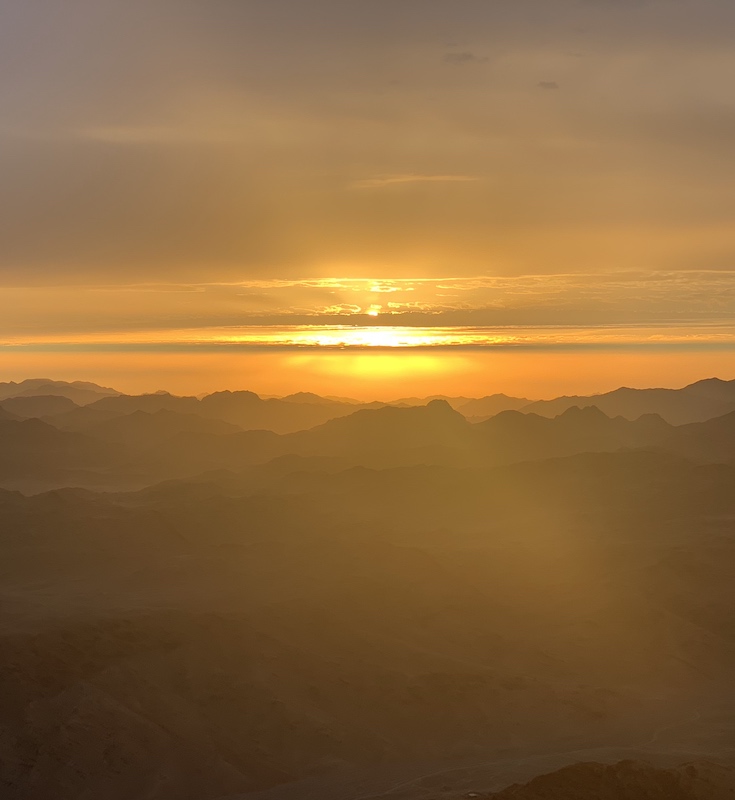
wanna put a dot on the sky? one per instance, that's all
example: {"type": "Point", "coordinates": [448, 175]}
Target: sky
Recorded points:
{"type": "Point", "coordinates": [368, 197]}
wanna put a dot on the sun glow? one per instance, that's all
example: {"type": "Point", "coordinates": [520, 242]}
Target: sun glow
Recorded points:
{"type": "Point", "coordinates": [386, 336]}
{"type": "Point", "coordinates": [370, 337]}
{"type": "Point", "coordinates": [379, 366]}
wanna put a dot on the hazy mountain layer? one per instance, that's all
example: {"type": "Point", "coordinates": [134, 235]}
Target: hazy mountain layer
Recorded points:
{"type": "Point", "coordinates": [394, 603]}
{"type": "Point", "coordinates": [80, 392]}
{"type": "Point", "coordinates": [627, 780]}
{"type": "Point", "coordinates": [694, 403]}
{"type": "Point", "coordinates": [200, 639]}
{"type": "Point", "coordinates": [29, 406]}
{"type": "Point", "coordinates": [136, 448]}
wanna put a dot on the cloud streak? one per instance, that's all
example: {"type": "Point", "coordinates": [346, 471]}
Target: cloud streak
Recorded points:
{"type": "Point", "coordinates": [384, 181]}
{"type": "Point", "coordinates": [463, 58]}
{"type": "Point", "coordinates": [179, 141]}
{"type": "Point", "coordinates": [659, 300]}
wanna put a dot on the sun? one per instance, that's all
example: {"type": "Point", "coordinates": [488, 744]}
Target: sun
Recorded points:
{"type": "Point", "coordinates": [384, 370]}
{"type": "Point", "coordinates": [368, 337]}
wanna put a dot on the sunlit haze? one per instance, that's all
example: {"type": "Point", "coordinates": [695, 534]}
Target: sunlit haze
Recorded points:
{"type": "Point", "coordinates": [367, 399]}
{"type": "Point", "coordinates": [468, 177]}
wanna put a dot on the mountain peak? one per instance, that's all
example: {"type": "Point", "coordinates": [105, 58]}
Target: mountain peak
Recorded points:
{"type": "Point", "coordinates": [241, 393]}
{"type": "Point", "coordinates": [440, 406]}
{"type": "Point", "coordinates": [583, 412]}
{"type": "Point", "coordinates": [307, 397]}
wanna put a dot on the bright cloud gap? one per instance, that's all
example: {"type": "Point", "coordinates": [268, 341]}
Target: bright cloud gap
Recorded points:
{"type": "Point", "coordinates": [344, 337]}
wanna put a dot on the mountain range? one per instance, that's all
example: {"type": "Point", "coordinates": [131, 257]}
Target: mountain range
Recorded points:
{"type": "Point", "coordinates": [44, 398]}
{"type": "Point", "coordinates": [626, 780]}
{"type": "Point", "coordinates": [396, 602]}
{"type": "Point", "coordinates": [123, 441]}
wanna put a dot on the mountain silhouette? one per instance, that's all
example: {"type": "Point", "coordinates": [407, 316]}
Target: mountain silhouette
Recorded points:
{"type": "Point", "coordinates": [489, 406]}
{"type": "Point", "coordinates": [80, 392]}
{"type": "Point", "coordinates": [143, 429]}
{"type": "Point", "coordinates": [388, 428]}
{"type": "Point", "coordinates": [249, 411]}
{"type": "Point", "coordinates": [626, 780]}
{"type": "Point", "coordinates": [28, 406]}
{"type": "Point", "coordinates": [310, 397]}
{"type": "Point", "coordinates": [709, 441]}
{"type": "Point", "coordinates": [6, 415]}
{"type": "Point", "coordinates": [387, 436]}
{"type": "Point", "coordinates": [36, 451]}
{"type": "Point", "coordinates": [165, 642]}
{"type": "Point", "coordinates": [243, 409]}
{"type": "Point", "coordinates": [395, 601]}
{"type": "Point", "coordinates": [694, 403]}
{"type": "Point", "coordinates": [514, 435]}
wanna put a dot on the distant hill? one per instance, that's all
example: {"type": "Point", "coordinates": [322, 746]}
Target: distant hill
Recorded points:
{"type": "Point", "coordinates": [191, 643]}
{"type": "Point", "coordinates": [310, 397]}
{"type": "Point", "coordinates": [149, 403]}
{"type": "Point", "coordinates": [6, 415]}
{"type": "Point", "coordinates": [349, 400]}
{"type": "Point", "coordinates": [454, 402]}
{"type": "Point", "coordinates": [109, 408]}
{"type": "Point", "coordinates": [516, 436]}
{"type": "Point", "coordinates": [245, 410]}
{"type": "Point", "coordinates": [434, 434]}
{"type": "Point", "coordinates": [627, 780]}
{"type": "Point", "coordinates": [493, 404]}
{"type": "Point", "coordinates": [709, 441]}
{"type": "Point", "coordinates": [698, 402]}
{"type": "Point", "coordinates": [475, 409]}
{"type": "Point", "coordinates": [32, 449]}
{"type": "Point", "coordinates": [694, 403]}
{"type": "Point", "coordinates": [144, 429]}
{"type": "Point", "coordinates": [162, 443]}
{"type": "Point", "coordinates": [80, 392]}
{"type": "Point", "coordinates": [387, 428]}
{"type": "Point", "coordinates": [27, 406]}
{"type": "Point", "coordinates": [161, 436]}
{"type": "Point", "coordinates": [250, 412]}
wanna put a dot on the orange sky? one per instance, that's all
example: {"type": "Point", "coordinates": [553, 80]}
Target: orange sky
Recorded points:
{"type": "Point", "coordinates": [541, 173]}
{"type": "Point", "coordinates": [381, 376]}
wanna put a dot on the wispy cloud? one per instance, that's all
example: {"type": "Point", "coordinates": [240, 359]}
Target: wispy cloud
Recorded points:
{"type": "Point", "coordinates": [678, 299]}
{"type": "Point", "coordinates": [299, 337]}
{"type": "Point", "coordinates": [132, 135]}
{"type": "Point", "coordinates": [382, 181]}
{"type": "Point", "coordinates": [463, 58]}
